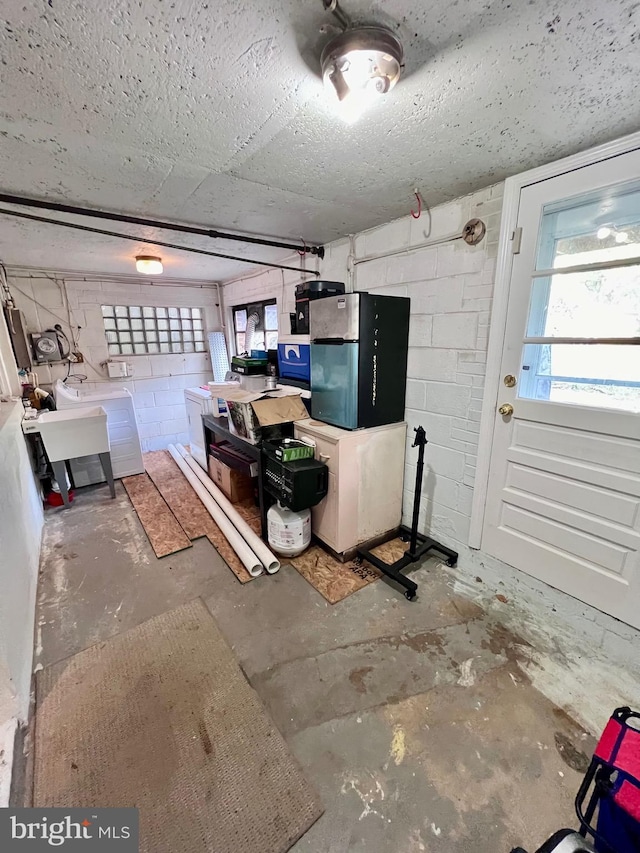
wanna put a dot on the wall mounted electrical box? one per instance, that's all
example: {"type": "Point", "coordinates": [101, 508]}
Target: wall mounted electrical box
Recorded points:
{"type": "Point", "coordinates": [17, 327]}
{"type": "Point", "coordinates": [46, 347]}
{"type": "Point", "coordinates": [118, 369]}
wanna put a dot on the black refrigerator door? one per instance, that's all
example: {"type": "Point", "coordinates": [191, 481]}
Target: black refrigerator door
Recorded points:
{"type": "Point", "coordinates": [382, 373]}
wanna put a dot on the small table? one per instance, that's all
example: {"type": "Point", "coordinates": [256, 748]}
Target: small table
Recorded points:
{"type": "Point", "coordinates": [220, 427]}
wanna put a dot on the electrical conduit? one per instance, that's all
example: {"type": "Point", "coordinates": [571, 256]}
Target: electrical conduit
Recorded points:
{"type": "Point", "coordinates": [268, 560]}
{"type": "Point", "coordinates": [244, 552]}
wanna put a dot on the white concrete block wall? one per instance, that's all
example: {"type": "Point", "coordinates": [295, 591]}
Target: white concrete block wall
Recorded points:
{"type": "Point", "coordinates": [158, 381]}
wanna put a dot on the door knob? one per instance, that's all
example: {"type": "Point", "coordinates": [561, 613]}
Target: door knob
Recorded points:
{"type": "Point", "coordinates": [506, 409]}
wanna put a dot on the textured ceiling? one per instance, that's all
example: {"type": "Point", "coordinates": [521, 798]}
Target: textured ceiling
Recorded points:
{"type": "Point", "coordinates": [215, 114]}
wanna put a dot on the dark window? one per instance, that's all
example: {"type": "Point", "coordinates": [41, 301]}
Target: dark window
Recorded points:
{"type": "Point", "coordinates": [266, 330]}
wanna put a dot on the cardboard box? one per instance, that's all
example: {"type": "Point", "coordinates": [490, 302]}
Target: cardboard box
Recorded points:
{"type": "Point", "coordinates": [250, 412]}
{"type": "Point", "coordinates": [235, 485]}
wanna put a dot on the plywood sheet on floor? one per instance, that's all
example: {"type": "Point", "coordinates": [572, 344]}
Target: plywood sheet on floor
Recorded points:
{"type": "Point", "coordinates": [162, 718]}
{"type": "Point", "coordinates": [163, 530]}
{"type": "Point", "coordinates": [335, 580]}
{"type": "Point", "coordinates": [189, 509]}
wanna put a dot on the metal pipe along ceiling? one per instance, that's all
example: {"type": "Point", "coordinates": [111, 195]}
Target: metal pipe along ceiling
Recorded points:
{"type": "Point", "coordinates": [33, 218]}
{"type": "Point", "coordinates": [22, 201]}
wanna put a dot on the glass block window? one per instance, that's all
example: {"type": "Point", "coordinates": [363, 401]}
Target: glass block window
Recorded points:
{"type": "Point", "coordinates": [266, 333]}
{"type": "Point", "coordinates": [147, 330]}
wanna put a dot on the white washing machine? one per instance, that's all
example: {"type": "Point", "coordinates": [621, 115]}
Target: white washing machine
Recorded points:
{"type": "Point", "coordinates": [124, 439]}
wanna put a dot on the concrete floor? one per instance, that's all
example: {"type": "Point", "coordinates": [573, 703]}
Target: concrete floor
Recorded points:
{"type": "Point", "coordinates": [416, 722]}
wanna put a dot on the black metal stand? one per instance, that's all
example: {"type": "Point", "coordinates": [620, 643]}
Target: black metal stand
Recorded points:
{"type": "Point", "coordinates": [419, 545]}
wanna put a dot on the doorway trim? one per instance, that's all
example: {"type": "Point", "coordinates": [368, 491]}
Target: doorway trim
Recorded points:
{"type": "Point", "coordinates": [511, 202]}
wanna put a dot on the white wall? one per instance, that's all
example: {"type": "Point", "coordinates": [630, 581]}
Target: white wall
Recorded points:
{"type": "Point", "coordinates": [21, 522]}
{"type": "Point", "coordinates": [159, 380]}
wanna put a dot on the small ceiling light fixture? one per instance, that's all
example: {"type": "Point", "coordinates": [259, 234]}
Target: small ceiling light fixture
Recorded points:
{"type": "Point", "coordinates": [622, 237]}
{"type": "Point", "coordinates": [360, 65]}
{"type": "Point", "coordinates": [603, 232]}
{"type": "Point", "coordinates": [149, 264]}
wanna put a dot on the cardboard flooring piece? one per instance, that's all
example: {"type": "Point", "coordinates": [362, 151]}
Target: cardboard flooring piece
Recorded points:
{"type": "Point", "coordinates": [163, 530]}
{"type": "Point", "coordinates": [190, 511]}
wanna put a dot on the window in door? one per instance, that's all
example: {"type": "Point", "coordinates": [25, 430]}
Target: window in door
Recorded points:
{"type": "Point", "coordinates": [582, 343]}
{"type": "Point", "coordinates": [265, 335]}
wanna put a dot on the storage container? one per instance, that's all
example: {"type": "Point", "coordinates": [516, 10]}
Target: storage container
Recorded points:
{"type": "Point", "coordinates": [235, 485]}
{"type": "Point", "coordinates": [289, 532]}
{"type": "Point", "coordinates": [294, 357]}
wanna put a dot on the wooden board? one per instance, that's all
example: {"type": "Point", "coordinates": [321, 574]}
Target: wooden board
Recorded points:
{"type": "Point", "coordinates": [191, 512]}
{"type": "Point", "coordinates": [335, 580]}
{"type": "Point", "coordinates": [163, 530]}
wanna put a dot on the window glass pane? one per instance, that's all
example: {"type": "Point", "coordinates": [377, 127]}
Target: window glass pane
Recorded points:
{"type": "Point", "coordinates": [163, 324]}
{"type": "Point", "coordinates": [196, 312]}
{"type": "Point", "coordinates": [240, 320]}
{"type": "Point", "coordinates": [135, 312]}
{"type": "Point", "coordinates": [240, 343]}
{"type": "Point", "coordinates": [175, 336]}
{"type": "Point", "coordinates": [107, 310]}
{"type": "Point", "coordinates": [125, 337]}
{"type": "Point", "coordinates": [188, 347]}
{"type": "Point", "coordinates": [599, 226]}
{"type": "Point", "coordinates": [258, 340]}
{"type": "Point", "coordinates": [164, 347]}
{"type": "Point", "coordinates": [606, 376]}
{"type": "Point", "coordinates": [173, 312]}
{"type": "Point", "coordinates": [185, 313]}
{"type": "Point", "coordinates": [199, 335]}
{"type": "Point", "coordinates": [139, 348]}
{"type": "Point", "coordinates": [199, 346]}
{"type": "Point", "coordinates": [121, 311]}
{"type": "Point", "coordinates": [595, 304]}
{"type": "Point", "coordinates": [271, 317]}
{"type": "Point", "coordinates": [127, 349]}
{"type": "Point", "coordinates": [187, 336]}
{"type": "Point", "coordinates": [114, 349]}
{"type": "Point", "coordinates": [174, 324]}
{"type": "Point", "coordinates": [138, 337]}
{"type": "Point", "coordinates": [109, 323]}
{"type": "Point", "coordinates": [161, 312]}
{"type": "Point", "coordinates": [197, 324]}
{"type": "Point", "coordinates": [149, 324]}
{"type": "Point", "coordinates": [186, 324]}
{"type": "Point", "coordinates": [148, 312]}
{"type": "Point", "coordinates": [153, 348]}
{"type": "Point", "coordinates": [122, 324]}
{"type": "Point", "coordinates": [136, 324]}
{"type": "Point", "coordinates": [272, 340]}
{"type": "Point", "coordinates": [112, 337]}
{"type": "Point", "coordinates": [164, 336]}
{"type": "Point", "coordinates": [176, 347]}
{"type": "Point", "coordinates": [152, 336]}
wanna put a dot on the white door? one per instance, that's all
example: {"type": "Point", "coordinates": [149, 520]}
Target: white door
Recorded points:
{"type": "Point", "coordinates": [564, 488]}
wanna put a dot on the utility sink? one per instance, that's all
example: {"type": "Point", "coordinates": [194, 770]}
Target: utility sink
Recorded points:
{"type": "Point", "coordinates": [70, 433]}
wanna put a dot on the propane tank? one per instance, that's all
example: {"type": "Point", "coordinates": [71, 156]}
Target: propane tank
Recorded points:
{"type": "Point", "coordinates": [289, 531]}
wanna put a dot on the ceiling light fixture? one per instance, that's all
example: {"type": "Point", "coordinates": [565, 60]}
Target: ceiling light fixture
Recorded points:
{"type": "Point", "coordinates": [361, 65]}
{"type": "Point", "coordinates": [149, 264]}
{"type": "Point", "coordinates": [603, 232]}
{"type": "Point", "coordinates": [622, 237]}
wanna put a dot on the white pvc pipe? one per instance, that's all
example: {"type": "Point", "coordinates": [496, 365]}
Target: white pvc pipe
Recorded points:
{"type": "Point", "coordinates": [244, 552]}
{"type": "Point", "coordinates": [268, 560]}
